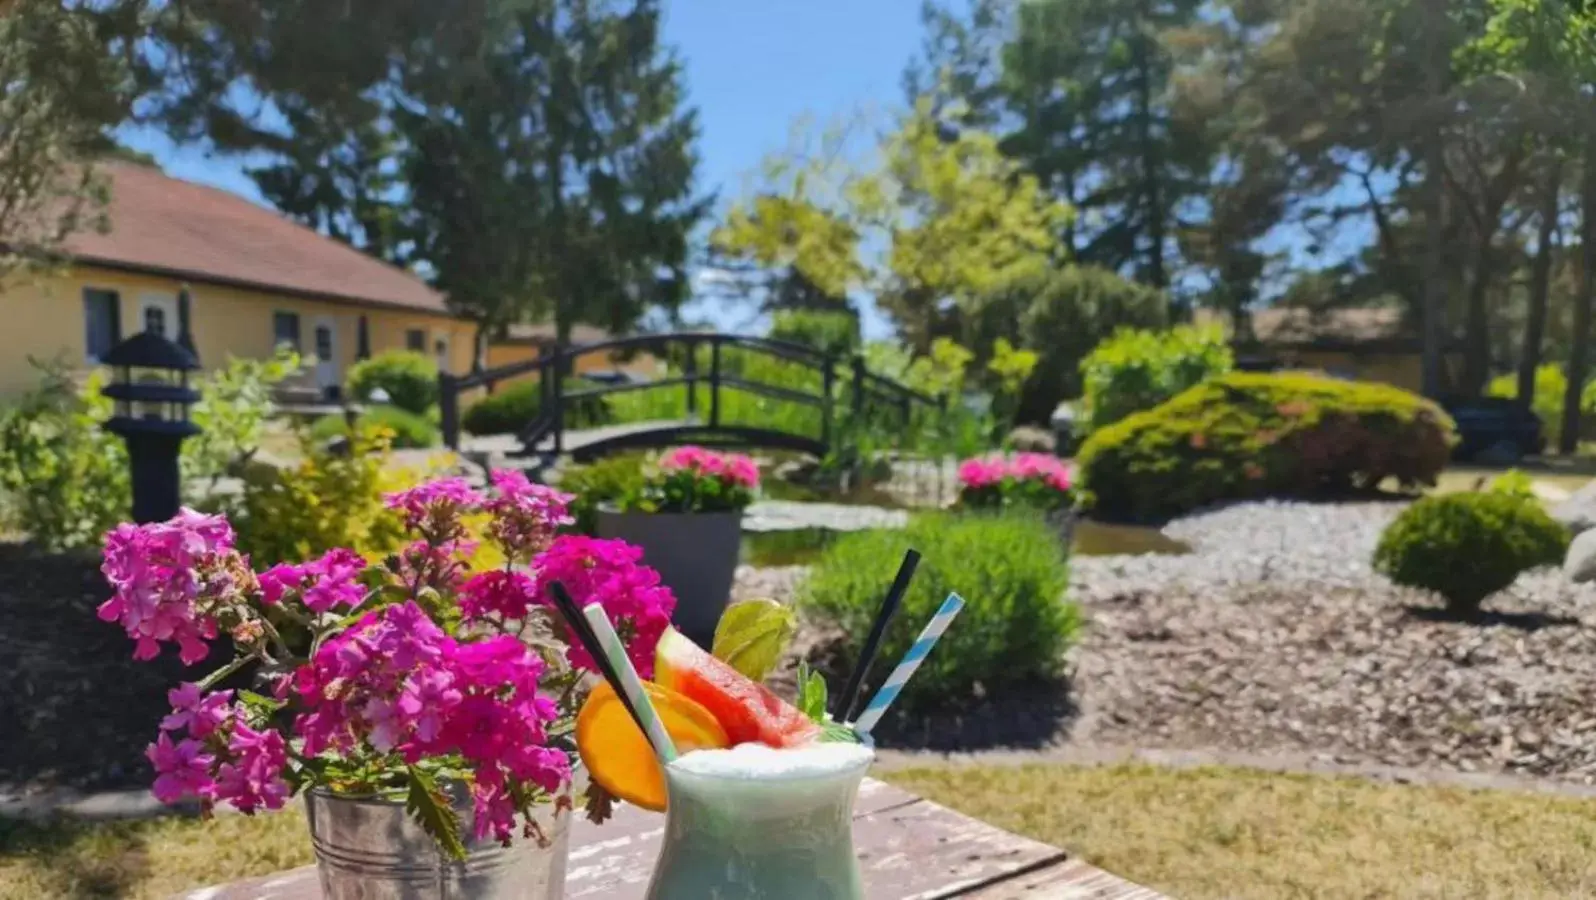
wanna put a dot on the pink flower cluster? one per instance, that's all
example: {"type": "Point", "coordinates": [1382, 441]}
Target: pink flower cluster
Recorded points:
{"type": "Point", "coordinates": [208, 751]}
{"type": "Point", "coordinates": [322, 585]}
{"type": "Point", "coordinates": [396, 683]}
{"type": "Point", "coordinates": [525, 515]}
{"type": "Point", "coordinates": [168, 580]}
{"type": "Point", "coordinates": [611, 574]}
{"type": "Point", "coordinates": [735, 468]}
{"type": "Point", "coordinates": [985, 472]}
{"type": "Point", "coordinates": [434, 508]}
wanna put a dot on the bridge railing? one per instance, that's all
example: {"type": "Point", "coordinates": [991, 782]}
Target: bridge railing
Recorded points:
{"type": "Point", "coordinates": [865, 389]}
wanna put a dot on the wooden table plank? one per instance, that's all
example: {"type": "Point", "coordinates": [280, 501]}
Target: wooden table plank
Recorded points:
{"type": "Point", "coordinates": [908, 849]}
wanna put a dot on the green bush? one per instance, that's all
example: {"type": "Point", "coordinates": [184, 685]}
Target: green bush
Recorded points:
{"type": "Point", "coordinates": [1137, 370]}
{"type": "Point", "coordinates": [836, 333]}
{"type": "Point", "coordinates": [63, 478]}
{"type": "Point", "coordinates": [1468, 546]}
{"type": "Point", "coordinates": [235, 404]}
{"type": "Point", "coordinates": [410, 431]}
{"type": "Point", "coordinates": [1011, 568]}
{"type": "Point", "coordinates": [409, 377]}
{"type": "Point", "coordinates": [604, 481]}
{"type": "Point", "coordinates": [512, 408]}
{"type": "Point", "coordinates": [1245, 435]}
{"type": "Point", "coordinates": [1550, 385]}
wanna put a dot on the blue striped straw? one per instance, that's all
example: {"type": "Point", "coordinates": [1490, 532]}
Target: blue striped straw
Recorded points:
{"type": "Point", "coordinates": [877, 707]}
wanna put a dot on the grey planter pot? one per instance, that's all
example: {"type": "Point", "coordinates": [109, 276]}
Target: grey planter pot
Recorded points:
{"type": "Point", "coordinates": [368, 849]}
{"type": "Point", "coordinates": [695, 555]}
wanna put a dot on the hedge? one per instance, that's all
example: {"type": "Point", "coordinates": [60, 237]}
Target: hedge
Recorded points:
{"type": "Point", "coordinates": [1245, 435]}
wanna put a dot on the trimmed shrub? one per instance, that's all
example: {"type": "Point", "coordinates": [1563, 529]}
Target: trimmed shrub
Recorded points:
{"type": "Point", "coordinates": [513, 407]}
{"type": "Point", "coordinates": [1247, 435]}
{"type": "Point", "coordinates": [1137, 370]}
{"type": "Point", "coordinates": [604, 481]}
{"type": "Point", "coordinates": [409, 377]}
{"type": "Point", "coordinates": [1015, 629]}
{"type": "Point", "coordinates": [1468, 546]}
{"type": "Point", "coordinates": [410, 431]}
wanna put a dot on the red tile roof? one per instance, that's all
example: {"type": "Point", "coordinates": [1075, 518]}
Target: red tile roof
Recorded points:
{"type": "Point", "coordinates": [163, 225]}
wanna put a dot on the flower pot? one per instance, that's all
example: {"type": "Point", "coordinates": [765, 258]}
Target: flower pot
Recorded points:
{"type": "Point", "coordinates": [367, 848]}
{"type": "Point", "coordinates": [695, 555]}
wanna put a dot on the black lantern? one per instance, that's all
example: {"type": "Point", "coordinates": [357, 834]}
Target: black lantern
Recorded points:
{"type": "Point", "coordinates": [152, 400]}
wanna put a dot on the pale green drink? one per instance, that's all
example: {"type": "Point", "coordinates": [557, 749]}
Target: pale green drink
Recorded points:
{"type": "Point", "coordinates": [753, 823]}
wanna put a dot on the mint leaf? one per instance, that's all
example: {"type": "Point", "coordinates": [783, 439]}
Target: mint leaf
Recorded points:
{"type": "Point", "coordinates": [430, 808]}
{"type": "Point", "coordinates": [835, 733]}
{"type": "Point", "coordinates": [811, 693]}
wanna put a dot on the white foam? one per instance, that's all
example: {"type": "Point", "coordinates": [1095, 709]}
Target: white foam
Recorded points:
{"type": "Point", "coordinates": [758, 762]}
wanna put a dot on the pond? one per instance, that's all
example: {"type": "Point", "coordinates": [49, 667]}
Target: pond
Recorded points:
{"type": "Point", "coordinates": [803, 546]}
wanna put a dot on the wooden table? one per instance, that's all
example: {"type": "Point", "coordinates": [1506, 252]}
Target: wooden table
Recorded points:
{"type": "Point", "coordinates": [909, 849]}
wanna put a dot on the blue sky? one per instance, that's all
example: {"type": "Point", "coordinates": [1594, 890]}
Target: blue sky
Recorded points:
{"type": "Point", "coordinates": [753, 67]}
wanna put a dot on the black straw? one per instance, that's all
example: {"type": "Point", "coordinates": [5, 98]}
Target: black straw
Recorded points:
{"type": "Point", "coordinates": [583, 632]}
{"type": "Point", "coordinates": [842, 711]}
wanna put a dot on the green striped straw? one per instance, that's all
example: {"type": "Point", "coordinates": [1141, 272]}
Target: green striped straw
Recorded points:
{"type": "Point", "coordinates": [630, 683]}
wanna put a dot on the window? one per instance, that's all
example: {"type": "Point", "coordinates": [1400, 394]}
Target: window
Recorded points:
{"type": "Point", "coordinates": [416, 339]}
{"type": "Point", "coordinates": [102, 323]}
{"type": "Point", "coordinates": [324, 343]}
{"type": "Point", "coordinates": [155, 320]}
{"type": "Point", "coordinates": [285, 329]}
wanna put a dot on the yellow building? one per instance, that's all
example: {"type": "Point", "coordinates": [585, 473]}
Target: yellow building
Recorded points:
{"type": "Point", "coordinates": [1358, 343]}
{"type": "Point", "coordinates": [240, 278]}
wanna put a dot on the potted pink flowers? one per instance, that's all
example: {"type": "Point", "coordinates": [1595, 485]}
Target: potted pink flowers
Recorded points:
{"type": "Point", "coordinates": [687, 517]}
{"type": "Point", "coordinates": [1030, 481]}
{"type": "Point", "coordinates": [420, 707]}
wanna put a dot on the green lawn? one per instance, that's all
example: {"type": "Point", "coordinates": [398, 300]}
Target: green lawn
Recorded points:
{"type": "Point", "coordinates": [1200, 833]}
{"type": "Point", "coordinates": [1235, 833]}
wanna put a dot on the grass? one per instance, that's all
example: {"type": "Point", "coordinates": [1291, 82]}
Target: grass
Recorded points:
{"type": "Point", "coordinates": [145, 859]}
{"type": "Point", "coordinates": [1236, 833]}
{"type": "Point", "coordinates": [1195, 833]}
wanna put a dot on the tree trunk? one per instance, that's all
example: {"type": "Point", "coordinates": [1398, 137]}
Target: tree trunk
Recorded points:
{"type": "Point", "coordinates": [1540, 281]}
{"type": "Point", "coordinates": [1152, 163]}
{"type": "Point", "coordinates": [1432, 202]}
{"type": "Point", "coordinates": [1579, 348]}
{"type": "Point", "coordinates": [1476, 334]}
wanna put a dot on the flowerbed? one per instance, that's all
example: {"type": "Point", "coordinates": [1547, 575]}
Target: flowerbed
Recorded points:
{"type": "Point", "coordinates": [1030, 480]}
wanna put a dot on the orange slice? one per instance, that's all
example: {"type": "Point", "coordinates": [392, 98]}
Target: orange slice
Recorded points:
{"type": "Point", "coordinates": [619, 757]}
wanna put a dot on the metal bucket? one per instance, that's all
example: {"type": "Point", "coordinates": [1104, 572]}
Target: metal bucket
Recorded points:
{"type": "Point", "coordinates": [368, 849]}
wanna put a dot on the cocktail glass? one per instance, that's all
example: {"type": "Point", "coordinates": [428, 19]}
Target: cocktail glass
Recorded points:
{"type": "Point", "coordinates": [753, 823]}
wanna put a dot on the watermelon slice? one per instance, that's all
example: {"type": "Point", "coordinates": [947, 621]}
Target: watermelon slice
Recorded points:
{"type": "Point", "coordinates": [746, 709]}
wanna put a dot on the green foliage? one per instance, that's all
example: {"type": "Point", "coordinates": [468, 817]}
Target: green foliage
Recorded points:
{"type": "Point", "coordinates": [1468, 546]}
{"type": "Point", "coordinates": [1009, 369]}
{"type": "Point", "coordinates": [234, 405]}
{"type": "Point", "coordinates": [1015, 629]}
{"type": "Point", "coordinates": [409, 431]}
{"type": "Point", "coordinates": [1064, 316]}
{"type": "Point", "coordinates": [835, 333]}
{"type": "Point", "coordinates": [512, 408]}
{"type": "Point", "coordinates": [409, 377]}
{"type": "Point", "coordinates": [429, 806]}
{"type": "Point", "coordinates": [63, 478]}
{"type": "Point", "coordinates": [1550, 386]}
{"type": "Point", "coordinates": [603, 481]}
{"type": "Point", "coordinates": [327, 500]}
{"type": "Point", "coordinates": [1243, 435]}
{"type": "Point", "coordinates": [1514, 483]}
{"type": "Point", "coordinates": [1137, 370]}
{"type": "Point", "coordinates": [684, 491]}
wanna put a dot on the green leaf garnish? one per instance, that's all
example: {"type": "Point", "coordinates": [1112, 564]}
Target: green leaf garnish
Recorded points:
{"type": "Point", "coordinates": [752, 635]}
{"type": "Point", "coordinates": [430, 808]}
{"type": "Point", "coordinates": [811, 693]}
{"type": "Point", "coordinates": [836, 733]}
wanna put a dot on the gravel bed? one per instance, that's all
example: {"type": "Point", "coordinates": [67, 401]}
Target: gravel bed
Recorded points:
{"type": "Point", "coordinates": [1275, 636]}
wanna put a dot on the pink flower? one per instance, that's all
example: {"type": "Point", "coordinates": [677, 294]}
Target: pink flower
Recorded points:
{"type": "Point", "coordinates": [525, 515]}
{"type": "Point", "coordinates": [735, 468]}
{"type": "Point", "coordinates": [183, 770]}
{"type": "Point", "coordinates": [168, 580]}
{"type": "Point", "coordinates": [253, 778]}
{"type": "Point", "coordinates": [434, 508]}
{"type": "Point", "coordinates": [510, 594]}
{"type": "Point", "coordinates": [980, 473]}
{"type": "Point", "coordinates": [321, 585]}
{"type": "Point", "coordinates": [610, 574]}
{"type": "Point", "coordinates": [200, 715]}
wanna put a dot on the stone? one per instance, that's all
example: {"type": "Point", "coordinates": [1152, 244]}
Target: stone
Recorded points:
{"type": "Point", "coordinates": [1578, 512]}
{"type": "Point", "coordinates": [1580, 564]}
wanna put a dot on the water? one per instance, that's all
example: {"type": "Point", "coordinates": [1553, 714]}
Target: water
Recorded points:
{"type": "Point", "coordinates": [803, 546]}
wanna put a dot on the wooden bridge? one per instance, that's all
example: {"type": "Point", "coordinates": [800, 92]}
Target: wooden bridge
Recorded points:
{"type": "Point", "coordinates": [841, 389]}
